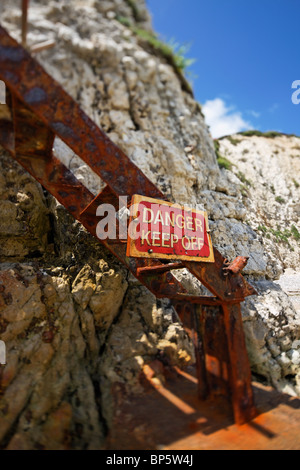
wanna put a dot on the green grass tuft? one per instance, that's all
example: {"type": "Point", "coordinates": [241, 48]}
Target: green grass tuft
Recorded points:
{"type": "Point", "coordinates": [269, 134]}
{"type": "Point", "coordinates": [223, 162]}
{"type": "Point", "coordinates": [172, 51]}
{"type": "Point", "coordinates": [134, 8]}
{"type": "Point", "coordinates": [243, 178]}
{"type": "Point", "coordinates": [233, 141]}
{"type": "Point", "coordinates": [296, 183]}
{"type": "Point", "coordinates": [124, 21]}
{"type": "Point", "coordinates": [280, 236]}
{"type": "Point", "coordinates": [295, 233]}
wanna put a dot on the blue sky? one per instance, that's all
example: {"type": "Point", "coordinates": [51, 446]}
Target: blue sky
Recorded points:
{"type": "Point", "coordinates": [247, 57]}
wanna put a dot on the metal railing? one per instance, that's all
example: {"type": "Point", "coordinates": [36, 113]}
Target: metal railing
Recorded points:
{"type": "Point", "coordinates": [41, 110]}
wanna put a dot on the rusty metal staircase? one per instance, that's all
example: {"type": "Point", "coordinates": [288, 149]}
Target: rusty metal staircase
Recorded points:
{"type": "Point", "coordinates": [41, 110]}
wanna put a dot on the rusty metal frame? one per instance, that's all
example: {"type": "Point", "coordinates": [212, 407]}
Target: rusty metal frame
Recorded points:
{"type": "Point", "coordinates": [41, 110]}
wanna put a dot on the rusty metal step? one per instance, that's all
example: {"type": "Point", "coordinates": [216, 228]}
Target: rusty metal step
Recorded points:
{"type": "Point", "coordinates": [62, 115]}
{"type": "Point", "coordinates": [160, 268]}
{"type": "Point", "coordinates": [40, 162]}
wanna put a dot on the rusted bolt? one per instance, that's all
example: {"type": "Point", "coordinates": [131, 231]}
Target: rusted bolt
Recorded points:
{"type": "Point", "coordinates": [236, 266]}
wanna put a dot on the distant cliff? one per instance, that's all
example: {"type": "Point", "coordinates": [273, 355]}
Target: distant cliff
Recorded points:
{"type": "Point", "coordinates": [267, 168]}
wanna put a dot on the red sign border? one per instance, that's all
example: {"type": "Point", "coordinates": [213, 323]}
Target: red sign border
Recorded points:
{"type": "Point", "coordinates": [131, 248]}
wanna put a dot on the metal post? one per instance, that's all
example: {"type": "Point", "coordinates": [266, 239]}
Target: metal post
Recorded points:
{"type": "Point", "coordinates": [25, 4]}
{"type": "Point", "coordinates": [197, 337]}
{"type": "Point", "coordinates": [41, 104]}
{"type": "Point", "coordinates": [239, 367]}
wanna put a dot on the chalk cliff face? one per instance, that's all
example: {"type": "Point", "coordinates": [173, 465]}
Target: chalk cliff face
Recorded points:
{"type": "Point", "coordinates": [74, 321]}
{"type": "Point", "coordinates": [267, 168]}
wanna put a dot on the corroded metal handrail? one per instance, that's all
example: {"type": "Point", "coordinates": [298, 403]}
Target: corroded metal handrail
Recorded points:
{"type": "Point", "coordinates": [41, 110]}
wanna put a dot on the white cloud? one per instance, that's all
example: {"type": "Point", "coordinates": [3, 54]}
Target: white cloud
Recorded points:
{"type": "Point", "coordinates": [223, 120]}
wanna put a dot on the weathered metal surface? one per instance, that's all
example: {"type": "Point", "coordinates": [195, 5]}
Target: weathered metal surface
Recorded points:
{"type": "Point", "coordinates": [222, 363]}
{"type": "Point", "coordinates": [196, 299]}
{"type": "Point", "coordinates": [168, 231]}
{"type": "Point", "coordinates": [162, 284]}
{"type": "Point", "coordinates": [41, 110]}
{"type": "Point", "coordinates": [216, 352]}
{"type": "Point", "coordinates": [33, 150]}
{"type": "Point", "coordinates": [225, 287]}
{"type": "Point", "coordinates": [25, 5]}
{"type": "Point", "coordinates": [160, 268]}
{"type": "Point", "coordinates": [212, 360]}
{"type": "Point", "coordinates": [239, 367]}
{"type": "Point", "coordinates": [237, 265]}
{"type": "Point", "coordinates": [45, 97]}
{"type": "Point", "coordinates": [198, 341]}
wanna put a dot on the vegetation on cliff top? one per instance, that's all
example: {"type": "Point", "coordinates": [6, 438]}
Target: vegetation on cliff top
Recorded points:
{"type": "Point", "coordinates": [254, 132]}
{"type": "Point", "coordinates": [172, 51]}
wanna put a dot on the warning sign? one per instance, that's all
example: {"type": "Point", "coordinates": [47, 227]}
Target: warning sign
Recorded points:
{"type": "Point", "coordinates": [158, 229]}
